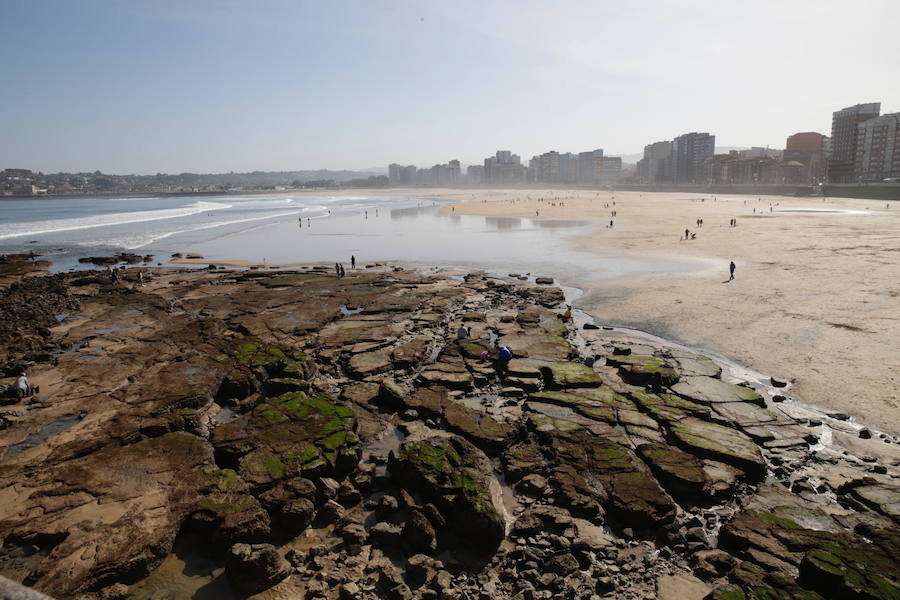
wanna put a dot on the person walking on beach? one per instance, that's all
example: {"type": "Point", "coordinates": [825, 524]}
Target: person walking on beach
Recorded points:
{"type": "Point", "coordinates": [731, 269]}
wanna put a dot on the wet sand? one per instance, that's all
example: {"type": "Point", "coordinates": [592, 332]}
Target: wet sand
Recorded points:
{"type": "Point", "coordinates": [816, 295]}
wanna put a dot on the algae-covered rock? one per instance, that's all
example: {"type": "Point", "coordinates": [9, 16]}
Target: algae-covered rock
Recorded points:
{"type": "Point", "coordinates": [276, 359]}
{"type": "Point", "coordinates": [454, 475]}
{"type": "Point", "coordinates": [591, 409]}
{"type": "Point", "coordinates": [679, 472]}
{"type": "Point", "coordinates": [289, 435]}
{"type": "Point", "coordinates": [627, 489]}
{"type": "Point", "coordinates": [571, 375]}
{"type": "Point", "coordinates": [720, 443]}
{"type": "Point", "coordinates": [640, 369]}
{"type": "Point", "coordinates": [227, 511]}
{"type": "Point", "coordinates": [667, 408]}
{"type": "Point", "coordinates": [855, 569]}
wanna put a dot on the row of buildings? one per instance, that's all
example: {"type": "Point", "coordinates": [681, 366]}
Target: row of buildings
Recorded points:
{"type": "Point", "coordinates": [864, 147]}
{"type": "Point", "coordinates": [506, 168]}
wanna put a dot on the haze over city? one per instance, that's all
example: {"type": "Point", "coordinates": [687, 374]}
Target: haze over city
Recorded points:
{"type": "Point", "coordinates": [146, 87]}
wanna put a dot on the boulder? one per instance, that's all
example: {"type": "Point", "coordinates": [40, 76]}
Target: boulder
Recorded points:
{"type": "Point", "coordinates": [455, 476]}
{"type": "Point", "coordinates": [254, 568]}
{"type": "Point", "coordinates": [418, 534]}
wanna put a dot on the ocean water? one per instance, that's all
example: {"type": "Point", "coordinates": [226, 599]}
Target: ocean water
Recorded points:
{"type": "Point", "coordinates": [296, 228]}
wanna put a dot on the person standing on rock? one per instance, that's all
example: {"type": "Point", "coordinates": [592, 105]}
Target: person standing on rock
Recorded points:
{"type": "Point", "coordinates": [352, 261]}
{"type": "Point", "coordinates": [503, 357]}
{"type": "Point", "coordinates": [731, 269]}
{"type": "Point", "coordinates": [462, 333]}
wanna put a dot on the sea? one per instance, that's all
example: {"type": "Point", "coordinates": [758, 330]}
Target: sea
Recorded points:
{"type": "Point", "coordinates": [290, 229]}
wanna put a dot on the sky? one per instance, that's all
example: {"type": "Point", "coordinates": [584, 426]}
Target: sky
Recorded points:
{"type": "Point", "coordinates": [132, 86]}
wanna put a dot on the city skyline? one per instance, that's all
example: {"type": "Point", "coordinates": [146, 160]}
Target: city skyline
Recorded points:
{"type": "Point", "coordinates": [216, 87]}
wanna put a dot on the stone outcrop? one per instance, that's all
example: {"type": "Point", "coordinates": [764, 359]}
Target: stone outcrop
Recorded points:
{"type": "Point", "coordinates": [455, 476]}
{"type": "Point", "coordinates": [337, 422]}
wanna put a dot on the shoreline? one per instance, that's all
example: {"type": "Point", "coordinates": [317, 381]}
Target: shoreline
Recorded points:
{"type": "Point", "coordinates": [820, 310]}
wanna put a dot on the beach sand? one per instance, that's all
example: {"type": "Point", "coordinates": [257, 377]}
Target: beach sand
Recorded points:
{"type": "Point", "coordinates": [815, 299]}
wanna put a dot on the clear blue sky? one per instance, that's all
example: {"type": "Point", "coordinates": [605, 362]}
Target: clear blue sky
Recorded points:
{"type": "Point", "coordinates": [140, 87]}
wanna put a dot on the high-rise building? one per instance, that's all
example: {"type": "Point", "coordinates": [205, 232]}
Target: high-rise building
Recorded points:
{"type": "Point", "coordinates": [453, 171]}
{"type": "Point", "coordinates": [844, 137]}
{"type": "Point", "coordinates": [408, 175]}
{"type": "Point", "coordinates": [504, 168]}
{"type": "Point", "coordinates": [548, 170]}
{"type": "Point", "coordinates": [878, 148]}
{"type": "Point", "coordinates": [807, 149]}
{"type": "Point", "coordinates": [689, 153]}
{"type": "Point", "coordinates": [394, 171]}
{"type": "Point", "coordinates": [656, 166]}
{"type": "Point", "coordinates": [400, 175]}
{"type": "Point", "coordinates": [610, 170]}
{"type": "Point", "coordinates": [568, 167]}
{"type": "Point", "coordinates": [589, 165]}
{"type": "Point", "coordinates": [475, 174]}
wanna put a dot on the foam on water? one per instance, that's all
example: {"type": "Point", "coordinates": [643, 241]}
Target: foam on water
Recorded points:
{"type": "Point", "coordinates": [34, 228]}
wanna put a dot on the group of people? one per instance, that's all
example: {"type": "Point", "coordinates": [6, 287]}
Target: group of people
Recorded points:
{"type": "Point", "coordinates": [114, 275]}
{"type": "Point", "coordinates": [501, 354]}
{"type": "Point", "coordinates": [339, 268]}
{"type": "Point", "coordinates": [732, 223]}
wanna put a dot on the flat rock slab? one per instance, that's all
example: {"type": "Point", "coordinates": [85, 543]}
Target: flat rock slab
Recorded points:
{"type": "Point", "coordinates": [453, 381]}
{"type": "Point", "coordinates": [680, 473]}
{"type": "Point", "coordinates": [745, 414]}
{"type": "Point", "coordinates": [669, 408]}
{"type": "Point", "coordinates": [591, 409]}
{"type": "Point", "coordinates": [724, 444]}
{"type": "Point", "coordinates": [639, 369]}
{"type": "Point", "coordinates": [696, 365]}
{"type": "Point", "coordinates": [523, 367]}
{"type": "Point", "coordinates": [601, 395]}
{"type": "Point", "coordinates": [538, 345]}
{"type": "Point", "coordinates": [681, 587]}
{"type": "Point", "coordinates": [369, 363]}
{"type": "Point", "coordinates": [884, 498]}
{"type": "Point", "coordinates": [713, 391]}
{"type": "Point", "coordinates": [572, 375]}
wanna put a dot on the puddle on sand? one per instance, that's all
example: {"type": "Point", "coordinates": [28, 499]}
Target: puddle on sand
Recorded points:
{"type": "Point", "coordinates": [225, 415]}
{"type": "Point", "coordinates": [185, 573]}
{"type": "Point", "coordinates": [40, 436]}
{"type": "Point", "coordinates": [389, 441]}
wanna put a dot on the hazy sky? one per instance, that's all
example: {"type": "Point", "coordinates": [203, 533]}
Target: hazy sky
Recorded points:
{"type": "Point", "coordinates": [129, 86]}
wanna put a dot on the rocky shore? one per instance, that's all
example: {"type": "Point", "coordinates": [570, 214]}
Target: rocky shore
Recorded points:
{"type": "Point", "coordinates": [328, 437]}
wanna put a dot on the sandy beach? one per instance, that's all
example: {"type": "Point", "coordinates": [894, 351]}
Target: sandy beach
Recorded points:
{"type": "Point", "coordinates": [814, 299]}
